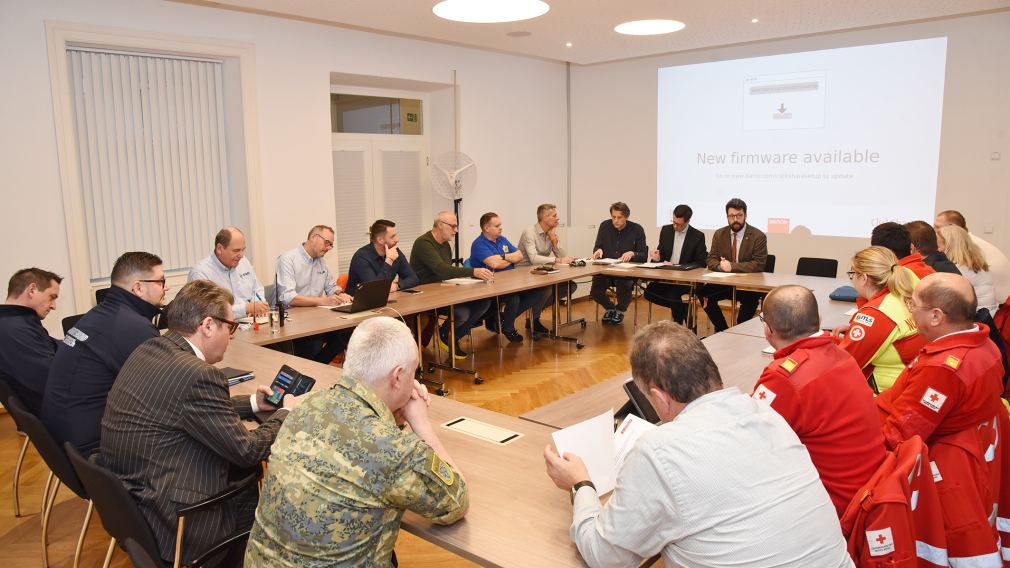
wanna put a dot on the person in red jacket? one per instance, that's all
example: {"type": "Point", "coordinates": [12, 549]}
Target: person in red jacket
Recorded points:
{"type": "Point", "coordinates": [897, 238]}
{"type": "Point", "coordinates": [820, 391]}
{"type": "Point", "coordinates": [950, 396]}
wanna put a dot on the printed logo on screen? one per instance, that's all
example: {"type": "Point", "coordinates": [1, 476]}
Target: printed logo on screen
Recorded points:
{"type": "Point", "coordinates": [880, 541]}
{"type": "Point", "coordinates": [933, 399]}
{"type": "Point", "coordinates": [778, 225]}
{"type": "Point", "coordinates": [864, 319]}
{"type": "Point", "coordinates": [782, 113]}
{"type": "Point", "coordinates": [857, 333]}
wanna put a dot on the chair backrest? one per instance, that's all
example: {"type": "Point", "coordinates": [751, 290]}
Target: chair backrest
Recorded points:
{"type": "Point", "coordinates": [342, 281]}
{"type": "Point", "coordinates": [770, 264]}
{"type": "Point", "coordinates": [118, 510]}
{"type": "Point", "coordinates": [51, 452]}
{"type": "Point", "coordinates": [138, 556]}
{"type": "Point", "coordinates": [71, 321]}
{"type": "Point", "coordinates": [270, 293]}
{"type": "Point", "coordinates": [100, 294]}
{"type": "Point", "coordinates": [6, 392]}
{"type": "Point", "coordinates": [811, 266]}
{"type": "Point", "coordinates": [467, 263]}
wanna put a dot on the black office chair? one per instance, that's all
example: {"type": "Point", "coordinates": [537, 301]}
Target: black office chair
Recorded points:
{"type": "Point", "coordinates": [71, 321]}
{"type": "Point", "coordinates": [59, 468]}
{"type": "Point", "coordinates": [5, 394]}
{"type": "Point", "coordinates": [770, 264]}
{"type": "Point", "coordinates": [811, 266]}
{"type": "Point", "coordinates": [138, 556]}
{"type": "Point", "coordinates": [100, 294]}
{"type": "Point", "coordinates": [122, 519]}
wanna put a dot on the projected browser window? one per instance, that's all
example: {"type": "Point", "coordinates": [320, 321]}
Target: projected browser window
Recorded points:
{"type": "Point", "coordinates": [832, 141]}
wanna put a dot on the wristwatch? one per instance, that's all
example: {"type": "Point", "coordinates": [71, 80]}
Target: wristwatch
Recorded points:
{"type": "Point", "coordinates": [580, 485]}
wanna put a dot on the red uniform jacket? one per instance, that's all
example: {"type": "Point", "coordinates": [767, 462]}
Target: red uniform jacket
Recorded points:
{"type": "Point", "coordinates": [820, 391]}
{"type": "Point", "coordinates": [949, 396]}
{"type": "Point", "coordinates": [915, 263]}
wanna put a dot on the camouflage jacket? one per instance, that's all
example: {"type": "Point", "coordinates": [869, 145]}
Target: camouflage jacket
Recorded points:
{"type": "Point", "coordinates": [340, 476]}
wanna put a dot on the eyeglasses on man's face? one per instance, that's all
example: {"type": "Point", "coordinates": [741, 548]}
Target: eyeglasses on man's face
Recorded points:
{"type": "Point", "coordinates": [448, 224]}
{"type": "Point", "coordinates": [232, 325]}
{"type": "Point", "coordinates": [161, 281]}
{"type": "Point", "coordinates": [327, 242]}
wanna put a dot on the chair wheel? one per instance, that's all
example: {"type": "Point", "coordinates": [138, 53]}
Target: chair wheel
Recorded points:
{"type": "Point", "coordinates": [583, 325]}
{"type": "Point", "coordinates": [478, 381]}
{"type": "Point", "coordinates": [441, 392]}
{"type": "Point", "coordinates": [579, 346]}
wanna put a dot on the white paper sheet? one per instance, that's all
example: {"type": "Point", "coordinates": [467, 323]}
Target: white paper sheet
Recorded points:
{"type": "Point", "coordinates": [587, 440]}
{"type": "Point", "coordinates": [463, 280]}
{"type": "Point", "coordinates": [719, 274]}
{"type": "Point", "coordinates": [625, 437]}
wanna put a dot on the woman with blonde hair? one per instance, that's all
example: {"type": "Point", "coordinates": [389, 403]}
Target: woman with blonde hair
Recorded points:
{"type": "Point", "coordinates": [882, 336]}
{"type": "Point", "coordinates": [956, 243]}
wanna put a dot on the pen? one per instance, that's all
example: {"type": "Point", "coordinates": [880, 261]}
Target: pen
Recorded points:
{"type": "Point", "coordinates": [256, 323]}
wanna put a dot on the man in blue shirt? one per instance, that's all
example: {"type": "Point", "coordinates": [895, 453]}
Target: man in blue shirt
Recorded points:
{"type": "Point", "coordinates": [228, 267]}
{"type": "Point", "coordinates": [381, 259]}
{"type": "Point", "coordinates": [493, 251]}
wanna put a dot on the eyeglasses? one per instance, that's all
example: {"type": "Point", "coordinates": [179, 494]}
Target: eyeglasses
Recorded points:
{"type": "Point", "coordinates": [327, 242]}
{"type": "Point", "coordinates": [761, 317]}
{"type": "Point", "coordinates": [158, 281]}
{"type": "Point", "coordinates": [850, 274]}
{"type": "Point", "coordinates": [232, 325]}
{"type": "Point", "coordinates": [912, 307]}
{"type": "Point", "coordinates": [448, 224]}
{"type": "Point", "coordinates": [735, 215]}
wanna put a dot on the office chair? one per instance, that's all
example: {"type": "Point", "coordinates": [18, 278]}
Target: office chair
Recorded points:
{"type": "Point", "coordinates": [812, 266]}
{"type": "Point", "coordinates": [71, 321]}
{"type": "Point", "coordinates": [5, 394]}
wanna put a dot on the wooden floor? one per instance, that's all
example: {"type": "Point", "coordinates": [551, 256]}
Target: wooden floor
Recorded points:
{"type": "Point", "coordinates": [517, 379]}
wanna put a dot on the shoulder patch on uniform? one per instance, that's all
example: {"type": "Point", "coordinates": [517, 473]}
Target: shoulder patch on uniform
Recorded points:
{"type": "Point", "coordinates": [881, 542]}
{"type": "Point", "coordinates": [933, 399]}
{"type": "Point", "coordinates": [789, 364]}
{"type": "Point", "coordinates": [865, 319]}
{"type": "Point", "coordinates": [857, 333]}
{"type": "Point", "coordinates": [952, 362]}
{"type": "Point", "coordinates": [442, 470]}
{"type": "Point", "coordinates": [764, 395]}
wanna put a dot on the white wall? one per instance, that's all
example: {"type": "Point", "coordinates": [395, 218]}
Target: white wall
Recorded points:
{"type": "Point", "coordinates": [614, 132]}
{"type": "Point", "coordinates": [511, 107]}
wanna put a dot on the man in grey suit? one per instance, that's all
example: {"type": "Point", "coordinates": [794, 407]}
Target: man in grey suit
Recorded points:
{"type": "Point", "coordinates": [737, 247]}
{"type": "Point", "coordinates": [172, 434]}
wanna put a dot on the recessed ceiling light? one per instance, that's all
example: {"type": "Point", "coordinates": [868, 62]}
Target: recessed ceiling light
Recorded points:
{"type": "Point", "coordinates": [649, 27]}
{"type": "Point", "coordinates": [754, 20]}
{"type": "Point", "coordinates": [568, 44]}
{"type": "Point", "coordinates": [490, 11]}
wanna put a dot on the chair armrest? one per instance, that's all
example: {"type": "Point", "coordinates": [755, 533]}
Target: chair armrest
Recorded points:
{"type": "Point", "coordinates": [239, 538]}
{"type": "Point", "coordinates": [228, 493]}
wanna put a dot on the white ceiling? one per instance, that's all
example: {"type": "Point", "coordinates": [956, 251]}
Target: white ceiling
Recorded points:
{"type": "Point", "coordinates": [589, 24]}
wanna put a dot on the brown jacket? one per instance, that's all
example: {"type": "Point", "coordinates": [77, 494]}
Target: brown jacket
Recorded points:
{"type": "Point", "coordinates": [753, 250]}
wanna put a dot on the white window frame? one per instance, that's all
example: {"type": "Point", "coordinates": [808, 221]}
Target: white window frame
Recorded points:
{"type": "Point", "coordinates": [58, 36]}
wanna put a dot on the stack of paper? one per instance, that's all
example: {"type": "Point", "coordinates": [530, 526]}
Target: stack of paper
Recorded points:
{"type": "Point", "coordinates": [463, 280]}
{"type": "Point", "coordinates": [606, 261]}
{"type": "Point", "coordinates": [602, 460]}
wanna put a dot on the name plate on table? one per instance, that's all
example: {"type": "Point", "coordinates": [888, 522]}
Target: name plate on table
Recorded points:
{"type": "Point", "coordinates": [482, 430]}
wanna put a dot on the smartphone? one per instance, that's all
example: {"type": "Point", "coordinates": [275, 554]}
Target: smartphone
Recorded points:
{"type": "Point", "coordinates": [411, 291]}
{"type": "Point", "coordinates": [643, 408]}
{"type": "Point", "coordinates": [288, 381]}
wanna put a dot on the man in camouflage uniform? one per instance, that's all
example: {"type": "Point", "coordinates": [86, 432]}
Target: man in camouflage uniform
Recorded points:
{"type": "Point", "coordinates": [342, 471]}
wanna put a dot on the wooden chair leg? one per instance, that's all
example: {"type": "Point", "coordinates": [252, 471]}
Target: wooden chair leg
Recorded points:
{"type": "Point", "coordinates": [108, 554]}
{"type": "Point", "coordinates": [84, 531]}
{"type": "Point", "coordinates": [17, 476]}
{"type": "Point", "coordinates": [45, 519]}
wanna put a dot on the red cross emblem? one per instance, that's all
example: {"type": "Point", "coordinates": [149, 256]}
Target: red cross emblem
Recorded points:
{"type": "Point", "coordinates": [762, 395]}
{"type": "Point", "coordinates": [880, 538]}
{"type": "Point", "coordinates": [933, 397]}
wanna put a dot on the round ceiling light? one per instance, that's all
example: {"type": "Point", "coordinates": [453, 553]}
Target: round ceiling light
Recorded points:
{"type": "Point", "coordinates": [490, 11]}
{"type": "Point", "coordinates": [649, 27]}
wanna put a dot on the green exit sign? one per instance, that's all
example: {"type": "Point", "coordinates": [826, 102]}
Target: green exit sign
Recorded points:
{"type": "Point", "coordinates": [411, 117]}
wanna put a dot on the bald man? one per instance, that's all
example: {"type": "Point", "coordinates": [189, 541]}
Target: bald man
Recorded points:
{"type": "Point", "coordinates": [228, 267]}
{"type": "Point", "coordinates": [431, 259]}
{"type": "Point", "coordinates": [950, 396]}
{"type": "Point", "coordinates": [821, 392]}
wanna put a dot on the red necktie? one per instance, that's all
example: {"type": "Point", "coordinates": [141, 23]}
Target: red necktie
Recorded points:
{"type": "Point", "coordinates": [732, 254]}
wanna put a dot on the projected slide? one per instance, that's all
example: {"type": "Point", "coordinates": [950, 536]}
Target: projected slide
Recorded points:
{"type": "Point", "coordinates": [835, 141]}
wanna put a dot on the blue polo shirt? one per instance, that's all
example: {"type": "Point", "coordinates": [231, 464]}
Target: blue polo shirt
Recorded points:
{"type": "Point", "coordinates": [483, 248]}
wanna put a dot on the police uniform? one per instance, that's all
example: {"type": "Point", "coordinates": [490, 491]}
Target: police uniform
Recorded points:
{"type": "Point", "coordinates": [950, 396]}
{"type": "Point", "coordinates": [341, 474]}
{"type": "Point", "coordinates": [819, 390]}
{"type": "Point", "coordinates": [882, 337]}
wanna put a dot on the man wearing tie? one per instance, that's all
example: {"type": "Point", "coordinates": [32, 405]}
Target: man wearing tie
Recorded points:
{"type": "Point", "coordinates": [679, 243]}
{"type": "Point", "coordinates": [737, 247]}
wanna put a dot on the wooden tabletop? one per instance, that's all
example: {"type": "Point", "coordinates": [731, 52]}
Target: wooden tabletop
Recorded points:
{"type": "Point", "coordinates": [517, 516]}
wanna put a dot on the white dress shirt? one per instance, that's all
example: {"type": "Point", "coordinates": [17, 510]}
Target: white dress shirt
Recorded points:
{"type": "Point", "coordinates": [241, 280]}
{"type": "Point", "coordinates": [726, 483]}
{"type": "Point", "coordinates": [999, 267]}
{"type": "Point", "coordinates": [298, 274]}
{"type": "Point", "coordinates": [678, 244]}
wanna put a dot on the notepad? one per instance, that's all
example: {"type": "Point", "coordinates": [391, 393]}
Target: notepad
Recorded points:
{"type": "Point", "coordinates": [463, 280]}
{"type": "Point", "coordinates": [719, 274]}
{"type": "Point", "coordinates": [249, 319]}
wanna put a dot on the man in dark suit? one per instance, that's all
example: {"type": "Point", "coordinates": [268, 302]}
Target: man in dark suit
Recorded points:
{"type": "Point", "coordinates": [170, 431]}
{"type": "Point", "coordinates": [679, 243]}
{"type": "Point", "coordinates": [93, 351]}
{"type": "Point", "coordinates": [26, 350]}
{"type": "Point", "coordinates": [737, 247]}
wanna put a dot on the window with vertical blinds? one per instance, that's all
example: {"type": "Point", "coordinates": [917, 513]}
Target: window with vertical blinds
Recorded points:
{"type": "Point", "coordinates": [150, 133]}
{"type": "Point", "coordinates": [351, 213]}
{"type": "Point", "coordinates": [401, 188]}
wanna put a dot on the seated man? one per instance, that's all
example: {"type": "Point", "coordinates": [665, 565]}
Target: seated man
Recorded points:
{"type": "Point", "coordinates": [950, 397]}
{"type": "Point", "coordinates": [303, 279]}
{"type": "Point", "coordinates": [540, 245]}
{"type": "Point", "coordinates": [93, 351]}
{"type": "Point", "coordinates": [228, 267]}
{"type": "Point", "coordinates": [381, 259]}
{"type": "Point", "coordinates": [738, 247]}
{"type": "Point", "coordinates": [922, 235]}
{"type": "Point", "coordinates": [172, 435]}
{"type": "Point", "coordinates": [624, 240]}
{"type": "Point", "coordinates": [26, 350]}
{"type": "Point", "coordinates": [722, 482]}
{"type": "Point", "coordinates": [679, 243]}
{"type": "Point", "coordinates": [896, 237]}
{"type": "Point", "coordinates": [431, 259]}
{"type": "Point", "coordinates": [820, 391]}
{"type": "Point", "coordinates": [329, 498]}
{"type": "Point", "coordinates": [999, 265]}
{"type": "Point", "coordinates": [493, 251]}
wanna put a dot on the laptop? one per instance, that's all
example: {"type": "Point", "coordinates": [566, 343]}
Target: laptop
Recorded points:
{"type": "Point", "coordinates": [370, 295]}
